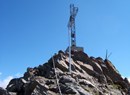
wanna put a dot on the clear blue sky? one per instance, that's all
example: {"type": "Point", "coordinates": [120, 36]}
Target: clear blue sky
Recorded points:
{"type": "Point", "coordinates": [31, 31]}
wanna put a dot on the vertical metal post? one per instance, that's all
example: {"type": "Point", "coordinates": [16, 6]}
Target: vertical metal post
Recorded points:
{"type": "Point", "coordinates": [69, 36]}
{"type": "Point", "coordinates": [71, 31]}
{"type": "Point", "coordinates": [57, 80]}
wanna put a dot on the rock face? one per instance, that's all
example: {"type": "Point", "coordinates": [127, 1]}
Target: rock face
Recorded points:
{"type": "Point", "coordinates": [3, 91]}
{"type": "Point", "coordinates": [90, 76]}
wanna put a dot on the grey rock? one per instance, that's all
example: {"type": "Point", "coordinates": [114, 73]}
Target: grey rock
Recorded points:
{"type": "Point", "coordinates": [86, 82]}
{"type": "Point", "coordinates": [112, 72]}
{"type": "Point", "coordinates": [68, 89]}
{"type": "Point", "coordinates": [89, 76]}
{"type": "Point", "coordinates": [71, 90]}
{"type": "Point", "coordinates": [80, 56]}
{"type": "Point", "coordinates": [82, 91]}
{"type": "Point", "coordinates": [62, 65]}
{"type": "Point", "coordinates": [3, 92]}
{"type": "Point", "coordinates": [48, 82]}
{"type": "Point", "coordinates": [15, 85]}
{"type": "Point", "coordinates": [96, 67]}
{"type": "Point", "coordinates": [36, 87]}
{"type": "Point", "coordinates": [13, 93]}
{"type": "Point", "coordinates": [67, 79]}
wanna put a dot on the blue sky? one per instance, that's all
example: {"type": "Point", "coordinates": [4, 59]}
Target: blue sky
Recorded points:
{"type": "Point", "coordinates": [32, 31]}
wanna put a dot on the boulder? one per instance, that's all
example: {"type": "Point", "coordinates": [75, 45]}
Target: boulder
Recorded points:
{"type": "Point", "coordinates": [3, 92]}
{"type": "Point", "coordinates": [61, 65]}
{"type": "Point", "coordinates": [68, 90]}
{"type": "Point", "coordinates": [99, 60]}
{"type": "Point", "coordinates": [48, 82]}
{"type": "Point", "coordinates": [111, 71]}
{"type": "Point", "coordinates": [102, 79]}
{"type": "Point", "coordinates": [96, 67]}
{"type": "Point", "coordinates": [36, 86]}
{"type": "Point", "coordinates": [86, 67]}
{"type": "Point", "coordinates": [67, 79]}
{"type": "Point", "coordinates": [53, 88]}
{"type": "Point", "coordinates": [13, 93]}
{"type": "Point", "coordinates": [86, 82]}
{"type": "Point", "coordinates": [80, 56]}
{"type": "Point", "coordinates": [82, 91]}
{"type": "Point", "coordinates": [16, 85]}
{"type": "Point", "coordinates": [74, 65]}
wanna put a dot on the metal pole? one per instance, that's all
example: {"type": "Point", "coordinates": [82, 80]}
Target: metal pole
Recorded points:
{"type": "Point", "coordinates": [69, 36]}
{"type": "Point", "coordinates": [57, 80]}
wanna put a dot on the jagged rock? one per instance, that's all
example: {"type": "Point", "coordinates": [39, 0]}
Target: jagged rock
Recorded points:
{"type": "Point", "coordinates": [102, 79]}
{"type": "Point", "coordinates": [12, 93]}
{"type": "Point", "coordinates": [3, 92]}
{"type": "Point", "coordinates": [89, 76]}
{"type": "Point", "coordinates": [96, 67]}
{"type": "Point", "coordinates": [53, 88]}
{"type": "Point", "coordinates": [82, 91]}
{"type": "Point", "coordinates": [62, 65]}
{"type": "Point", "coordinates": [36, 86]}
{"type": "Point", "coordinates": [80, 56]}
{"type": "Point", "coordinates": [84, 75]}
{"type": "Point", "coordinates": [68, 90]}
{"type": "Point", "coordinates": [48, 82]}
{"type": "Point", "coordinates": [67, 79]}
{"type": "Point", "coordinates": [58, 71]}
{"type": "Point", "coordinates": [86, 67]}
{"type": "Point", "coordinates": [38, 91]}
{"type": "Point", "coordinates": [127, 82]}
{"type": "Point", "coordinates": [128, 91]}
{"type": "Point", "coordinates": [109, 80]}
{"type": "Point", "coordinates": [86, 82]}
{"type": "Point", "coordinates": [112, 72]}
{"type": "Point", "coordinates": [74, 65]}
{"type": "Point", "coordinates": [99, 60]}
{"type": "Point", "coordinates": [16, 85]}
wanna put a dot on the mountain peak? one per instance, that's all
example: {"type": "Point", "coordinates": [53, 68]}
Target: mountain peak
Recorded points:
{"type": "Point", "coordinates": [89, 76]}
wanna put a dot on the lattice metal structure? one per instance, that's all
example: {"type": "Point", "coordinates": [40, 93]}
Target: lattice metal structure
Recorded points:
{"type": "Point", "coordinates": [71, 24]}
{"type": "Point", "coordinates": [71, 31]}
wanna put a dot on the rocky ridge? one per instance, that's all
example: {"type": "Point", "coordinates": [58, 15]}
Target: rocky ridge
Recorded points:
{"type": "Point", "coordinates": [90, 76]}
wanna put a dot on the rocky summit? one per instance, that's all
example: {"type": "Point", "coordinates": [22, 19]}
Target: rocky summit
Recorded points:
{"type": "Point", "coordinates": [89, 76]}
